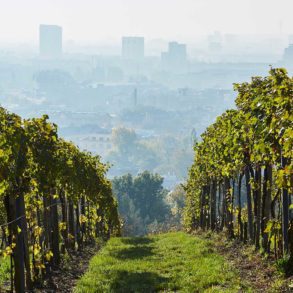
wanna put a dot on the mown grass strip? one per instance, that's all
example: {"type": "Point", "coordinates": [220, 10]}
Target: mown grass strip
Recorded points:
{"type": "Point", "coordinates": [167, 262]}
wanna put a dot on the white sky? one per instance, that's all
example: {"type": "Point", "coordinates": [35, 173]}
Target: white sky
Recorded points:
{"type": "Point", "coordinates": [100, 20]}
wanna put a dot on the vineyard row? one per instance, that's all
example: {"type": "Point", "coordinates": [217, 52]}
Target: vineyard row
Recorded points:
{"type": "Point", "coordinates": [54, 198]}
{"type": "Point", "coordinates": [241, 179]}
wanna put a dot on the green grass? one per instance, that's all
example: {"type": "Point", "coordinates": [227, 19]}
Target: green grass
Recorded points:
{"type": "Point", "coordinates": [167, 262]}
{"type": "Point", "coordinates": [4, 272]}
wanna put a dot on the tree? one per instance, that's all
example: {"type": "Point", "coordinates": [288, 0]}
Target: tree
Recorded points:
{"type": "Point", "coordinates": [176, 199]}
{"type": "Point", "coordinates": [129, 153]}
{"type": "Point", "coordinates": [124, 139]}
{"type": "Point", "coordinates": [150, 196]}
{"type": "Point", "coordinates": [141, 201]}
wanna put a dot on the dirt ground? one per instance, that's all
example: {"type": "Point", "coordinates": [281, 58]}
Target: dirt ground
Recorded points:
{"type": "Point", "coordinates": [254, 269]}
{"type": "Point", "coordinates": [64, 279]}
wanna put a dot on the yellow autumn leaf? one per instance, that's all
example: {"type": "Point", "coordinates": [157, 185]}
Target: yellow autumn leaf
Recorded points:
{"type": "Point", "coordinates": [8, 251]}
{"type": "Point", "coordinates": [83, 219]}
{"type": "Point", "coordinates": [36, 251]}
{"type": "Point", "coordinates": [48, 255]}
{"type": "Point", "coordinates": [62, 226]}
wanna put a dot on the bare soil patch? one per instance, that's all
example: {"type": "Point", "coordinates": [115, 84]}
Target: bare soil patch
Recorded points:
{"type": "Point", "coordinates": [64, 279]}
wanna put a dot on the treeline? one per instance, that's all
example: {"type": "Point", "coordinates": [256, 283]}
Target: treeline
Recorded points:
{"type": "Point", "coordinates": [241, 179]}
{"type": "Point", "coordinates": [54, 198]}
{"type": "Point", "coordinates": [160, 154]}
{"type": "Point", "coordinates": [142, 203]}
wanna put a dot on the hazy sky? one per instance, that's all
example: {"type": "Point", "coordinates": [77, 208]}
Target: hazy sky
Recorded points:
{"type": "Point", "coordinates": [99, 20]}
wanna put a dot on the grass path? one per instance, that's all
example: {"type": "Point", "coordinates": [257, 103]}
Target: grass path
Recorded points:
{"type": "Point", "coordinates": [172, 262]}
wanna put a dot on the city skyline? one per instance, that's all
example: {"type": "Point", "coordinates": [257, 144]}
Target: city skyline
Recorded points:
{"type": "Point", "coordinates": [170, 19]}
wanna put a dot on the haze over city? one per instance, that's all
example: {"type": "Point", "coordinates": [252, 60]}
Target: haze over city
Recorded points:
{"type": "Point", "coordinates": [146, 146]}
{"type": "Point", "coordinates": [95, 66]}
{"type": "Point", "coordinates": [98, 21]}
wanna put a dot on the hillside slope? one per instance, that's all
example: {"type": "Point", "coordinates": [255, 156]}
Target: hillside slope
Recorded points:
{"type": "Point", "coordinates": [167, 262]}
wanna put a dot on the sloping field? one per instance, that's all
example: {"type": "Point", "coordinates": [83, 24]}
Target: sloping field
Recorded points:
{"type": "Point", "coordinates": [172, 262]}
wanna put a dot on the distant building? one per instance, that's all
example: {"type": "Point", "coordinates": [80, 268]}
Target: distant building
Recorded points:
{"type": "Point", "coordinates": [288, 54]}
{"type": "Point", "coordinates": [133, 48]}
{"type": "Point", "coordinates": [215, 42]}
{"type": "Point", "coordinates": [177, 51]}
{"type": "Point", "coordinates": [176, 55]}
{"type": "Point", "coordinates": [97, 143]}
{"type": "Point", "coordinates": [50, 40]}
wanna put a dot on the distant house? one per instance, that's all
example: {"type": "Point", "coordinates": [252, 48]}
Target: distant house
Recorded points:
{"type": "Point", "coordinates": [98, 142]}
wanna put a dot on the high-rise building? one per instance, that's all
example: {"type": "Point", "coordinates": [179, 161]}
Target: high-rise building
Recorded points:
{"type": "Point", "coordinates": [50, 40]}
{"type": "Point", "coordinates": [175, 57]}
{"type": "Point", "coordinates": [133, 48]}
{"type": "Point", "coordinates": [215, 42]}
{"type": "Point", "coordinates": [288, 55]}
{"type": "Point", "coordinates": [177, 52]}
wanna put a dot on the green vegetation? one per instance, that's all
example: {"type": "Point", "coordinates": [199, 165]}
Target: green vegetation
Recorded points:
{"type": "Point", "coordinates": [141, 203]}
{"type": "Point", "coordinates": [54, 198]}
{"type": "Point", "coordinates": [4, 270]}
{"type": "Point", "coordinates": [164, 154]}
{"type": "Point", "coordinates": [252, 147]}
{"type": "Point", "coordinates": [176, 200]}
{"type": "Point", "coordinates": [166, 262]}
